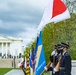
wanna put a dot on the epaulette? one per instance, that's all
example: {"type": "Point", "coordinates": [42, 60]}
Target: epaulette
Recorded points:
{"type": "Point", "coordinates": [66, 54]}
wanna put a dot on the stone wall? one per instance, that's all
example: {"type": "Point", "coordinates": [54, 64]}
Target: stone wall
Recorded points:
{"type": "Point", "coordinates": [73, 67]}
{"type": "Point", "coordinates": [8, 63]}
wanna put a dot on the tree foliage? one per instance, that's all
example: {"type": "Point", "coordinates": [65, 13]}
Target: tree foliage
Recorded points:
{"type": "Point", "coordinates": [65, 32]}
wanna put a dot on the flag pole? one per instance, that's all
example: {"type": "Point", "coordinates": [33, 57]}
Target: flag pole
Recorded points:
{"type": "Point", "coordinates": [33, 60]}
{"type": "Point", "coordinates": [54, 44]}
{"type": "Point", "coordinates": [54, 35]}
{"type": "Point", "coordinates": [42, 72]}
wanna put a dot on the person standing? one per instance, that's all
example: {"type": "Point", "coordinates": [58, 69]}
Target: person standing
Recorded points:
{"type": "Point", "coordinates": [33, 58]}
{"type": "Point", "coordinates": [65, 62]}
{"type": "Point", "coordinates": [23, 66]}
{"type": "Point", "coordinates": [57, 57]}
{"type": "Point", "coordinates": [14, 60]}
{"type": "Point", "coordinates": [53, 61]}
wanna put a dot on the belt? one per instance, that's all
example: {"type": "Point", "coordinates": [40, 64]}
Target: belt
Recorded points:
{"type": "Point", "coordinates": [62, 68]}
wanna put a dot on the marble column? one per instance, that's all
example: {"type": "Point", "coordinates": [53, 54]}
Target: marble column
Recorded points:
{"type": "Point", "coordinates": [2, 48]}
{"type": "Point", "coordinates": [6, 50]}
{"type": "Point", "coordinates": [9, 49]}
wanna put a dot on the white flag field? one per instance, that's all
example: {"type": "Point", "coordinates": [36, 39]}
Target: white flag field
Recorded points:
{"type": "Point", "coordinates": [55, 11]}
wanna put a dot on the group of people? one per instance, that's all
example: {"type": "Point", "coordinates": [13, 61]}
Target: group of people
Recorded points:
{"type": "Point", "coordinates": [60, 60]}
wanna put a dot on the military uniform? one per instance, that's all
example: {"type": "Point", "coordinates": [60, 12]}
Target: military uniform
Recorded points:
{"type": "Point", "coordinates": [58, 46]}
{"type": "Point", "coordinates": [65, 64]}
{"type": "Point", "coordinates": [55, 63]}
{"type": "Point", "coordinates": [57, 56]}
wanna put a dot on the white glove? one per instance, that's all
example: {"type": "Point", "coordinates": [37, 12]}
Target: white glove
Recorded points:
{"type": "Point", "coordinates": [53, 53]}
{"type": "Point", "coordinates": [45, 68]}
{"type": "Point", "coordinates": [56, 53]}
{"type": "Point", "coordinates": [55, 70]}
{"type": "Point", "coordinates": [51, 65]}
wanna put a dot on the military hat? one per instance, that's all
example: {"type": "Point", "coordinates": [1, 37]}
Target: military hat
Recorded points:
{"type": "Point", "coordinates": [58, 46]}
{"type": "Point", "coordinates": [65, 45]}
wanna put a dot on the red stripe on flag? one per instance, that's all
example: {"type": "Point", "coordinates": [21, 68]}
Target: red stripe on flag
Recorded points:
{"type": "Point", "coordinates": [58, 8]}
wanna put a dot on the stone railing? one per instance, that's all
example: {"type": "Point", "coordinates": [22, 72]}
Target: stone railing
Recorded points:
{"type": "Point", "coordinates": [73, 67]}
{"type": "Point", "coordinates": [8, 63]}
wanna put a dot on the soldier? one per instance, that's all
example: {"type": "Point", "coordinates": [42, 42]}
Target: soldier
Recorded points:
{"type": "Point", "coordinates": [65, 62]}
{"type": "Point", "coordinates": [33, 58]}
{"type": "Point", "coordinates": [56, 67]}
{"type": "Point", "coordinates": [54, 60]}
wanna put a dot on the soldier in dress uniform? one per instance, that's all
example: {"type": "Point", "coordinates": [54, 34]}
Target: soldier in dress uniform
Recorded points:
{"type": "Point", "coordinates": [58, 48]}
{"type": "Point", "coordinates": [54, 60]}
{"type": "Point", "coordinates": [65, 62]}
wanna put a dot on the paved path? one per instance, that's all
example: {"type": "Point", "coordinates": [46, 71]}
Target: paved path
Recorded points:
{"type": "Point", "coordinates": [15, 72]}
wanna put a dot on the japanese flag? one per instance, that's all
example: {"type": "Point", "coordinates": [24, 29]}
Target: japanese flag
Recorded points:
{"type": "Point", "coordinates": [55, 11]}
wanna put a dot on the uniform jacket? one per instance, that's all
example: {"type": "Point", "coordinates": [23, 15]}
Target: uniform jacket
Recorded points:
{"type": "Point", "coordinates": [65, 64]}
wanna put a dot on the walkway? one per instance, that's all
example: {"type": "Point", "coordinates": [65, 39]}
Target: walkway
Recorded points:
{"type": "Point", "coordinates": [15, 72]}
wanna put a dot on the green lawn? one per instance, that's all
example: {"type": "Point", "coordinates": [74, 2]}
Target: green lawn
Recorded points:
{"type": "Point", "coordinates": [5, 70]}
{"type": "Point", "coordinates": [46, 73]}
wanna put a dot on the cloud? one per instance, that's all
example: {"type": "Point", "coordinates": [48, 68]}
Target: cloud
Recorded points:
{"type": "Point", "coordinates": [29, 35]}
{"type": "Point", "coordinates": [21, 17]}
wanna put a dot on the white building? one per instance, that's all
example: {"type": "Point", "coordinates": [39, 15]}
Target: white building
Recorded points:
{"type": "Point", "coordinates": [10, 45]}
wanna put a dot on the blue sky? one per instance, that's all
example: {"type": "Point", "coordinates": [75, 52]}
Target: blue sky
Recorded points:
{"type": "Point", "coordinates": [21, 18]}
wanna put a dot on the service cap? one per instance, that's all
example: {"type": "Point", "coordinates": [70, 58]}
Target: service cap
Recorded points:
{"type": "Point", "coordinates": [65, 45]}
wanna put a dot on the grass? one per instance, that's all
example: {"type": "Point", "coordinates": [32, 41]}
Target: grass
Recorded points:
{"type": "Point", "coordinates": [5, 70]}
{"type": "Point", "coordinates": [46, 73]}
